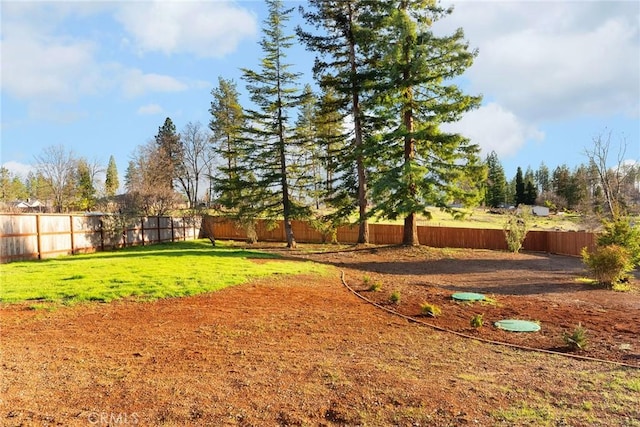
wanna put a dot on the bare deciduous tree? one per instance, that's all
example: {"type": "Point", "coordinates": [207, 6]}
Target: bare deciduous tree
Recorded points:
{"type": "Point", "coordinates": [57, 166]}
{"type": "Point", "coordinates": [196, 155]}
{"type": "Point", "coordinates": [613, 179]}
{"type": "Point", "coordinates": [148, 190]}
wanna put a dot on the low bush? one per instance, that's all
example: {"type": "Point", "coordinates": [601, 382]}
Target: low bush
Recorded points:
{"type": "Point", "coordinates": [375, 287]}
{"type": "Point", "coordinates": [609, 264]}
{"type": "Point", "coordinates": [430, 309]}
{"type": "Point", "coordinates": [577, 340]}
{"type": "Point", "coordinates": [622, 232]}
{"type": "Point", "coordinates": [516, 227]}
{"type": "Point", "coordinates": [395, 297]}
{"type": "Point", "coordinates": [477, 321]}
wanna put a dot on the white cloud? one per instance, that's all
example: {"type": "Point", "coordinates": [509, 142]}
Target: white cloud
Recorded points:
{"type": "Point", "coordinates": [46, 67]}
{"type": "Point", "coordinates": [136, 83]}
{"type": "Point", "coordinates": [495, 129]}
{"type": "Point", "coordinates": [20, 169]}
{"type": "Point", "coordinates": [207, 29]}
{"type": "Point", "coordinates": [150, 109]}
{"type": "Point", "coordinates": [52, 70]}
{"type": "Point", "coordinates": [554, 60]}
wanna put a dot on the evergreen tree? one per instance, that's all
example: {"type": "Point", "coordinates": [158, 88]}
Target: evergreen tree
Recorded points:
{"type": "Point", "coordinates": [306, 168]}
{"type": "Point", "coordinates": [37, 187]}
{"type": "Point", "coordinates": [340, 180]}
{"type": "Point", "coordinates": [530, 189]}
{"type": "Point", "coordinates": [86, 192]}
{"type": "Point", "coordinates": [542, 178]}
{"type": "Point", "coordinates": [520, 197]}
{"type": "Point", "coordinates": [112, 182]}
{"type": "Point", "coordinates": [342, 67]}
{"type": "Point", "coordinates": [227, 123]}
{"type": "Point", "coordinates": [560, 184]}
{"type": "Point", "coordinates": [170, 151]}
{"type": "Point", "coordinates": [530, 192]}
{"type": "Point", "coordinates": [496, 189]}
{"type": "Point", "coordinates": [577, 191]}
{"type": "Point", "coordinates": [11, 186]}
{"type": "Point", "coordinates": [131, 176]}
{"type": "Point", "coordinates": [422, 166]}
{"type": "Point", "coordinates": [273, 90]}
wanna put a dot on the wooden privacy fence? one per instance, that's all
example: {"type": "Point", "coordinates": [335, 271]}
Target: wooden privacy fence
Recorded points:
{"type": "Point", "coordinates": [39, 236]}
{"type": "Point", "coordinates": [556, 242]}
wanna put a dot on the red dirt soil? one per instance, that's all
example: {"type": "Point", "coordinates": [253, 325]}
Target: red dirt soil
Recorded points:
{"type": "Point", "coordinates": [307, 351]}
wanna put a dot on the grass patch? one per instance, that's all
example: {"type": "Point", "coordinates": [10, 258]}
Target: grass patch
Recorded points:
{"type": "Point", "coordinates": [482, 218]}
{"type": "Point", "coordinates": [145, 272]}
{"type": "Point", "coordinates": [586, 281]}
{"type": "Point", "coordinates": [526, 415]}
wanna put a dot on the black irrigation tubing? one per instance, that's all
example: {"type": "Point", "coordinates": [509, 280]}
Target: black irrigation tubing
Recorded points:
{"type": "Point", "coordinates": [484, 340]}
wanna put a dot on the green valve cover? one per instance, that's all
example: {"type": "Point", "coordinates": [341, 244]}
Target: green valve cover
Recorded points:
{"type": "Point", "coordinates": [517, 325]}
{"type": "Point", "coordinates": [467, 296]}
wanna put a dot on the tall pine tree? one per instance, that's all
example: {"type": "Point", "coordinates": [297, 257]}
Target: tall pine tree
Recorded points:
{"type": "Point", "coordinates": [227, 123]}
{"type": "Point", "coordinates": [520, 198]}
{"type": "Point", "coordinates": [496, 187]}
{"type": "Point", "coordinates": [423, 166]}
{"type": "Point", "coordinates": [306, 168]}
{"type": "Point", "coordinates": [342, 68]}
{"type": "Point", "coordinates": [170, 150]}
{"type": "Point", "coordinates": [111, 183]}
{"type": "Point", "coordinates": [274, 92]}
{"type": "Point", "coordinates": [86, 191]}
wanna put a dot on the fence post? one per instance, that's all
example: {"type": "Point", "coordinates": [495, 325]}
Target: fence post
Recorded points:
{"type": "Point", "coordinates": [38, 239]}
{"type": "Point", "coordinates": [173, 236]}
{"type": "Point", "coordinates": [142, 229]}
{"type": "Point", "coordinates": [184, 230]}
{"type": "Point", "coordinates": [101, 225]}
{"type": "Point", "coordinates": [73, 245]}
{"type": "Point", "coordinates": [159, 235]}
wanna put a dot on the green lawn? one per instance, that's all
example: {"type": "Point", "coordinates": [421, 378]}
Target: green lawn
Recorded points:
{"type": "Point", "coordinates": [481, 218]}
{"type": "Point", "coordinates": [146, 272]}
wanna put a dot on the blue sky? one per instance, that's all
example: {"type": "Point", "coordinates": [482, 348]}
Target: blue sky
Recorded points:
{"type": "Point", "coordinates": [101, 77]}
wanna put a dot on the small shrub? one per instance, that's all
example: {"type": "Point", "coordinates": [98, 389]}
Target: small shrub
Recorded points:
{"type": "Point", "coordinates": [477, 320]}
{"type": "Point", "coordinates": [395, 297]}
{"type": "Point", "coordinates": [430, 309]}
{"type": "Point", "coordinates": [621, 232]}
{"type": "Point", "coordinates": [375, 287]}
{"type": "Point", "coordinates": [577, 340]}
{"type": "Point", "coordinates": [516, 228]}
{"type": "Point", "coordinates": [366, 280]}
{"type": "Point", "coordinates": [490, 301]}
{"type": "Point", "coordinates": [608, 264]}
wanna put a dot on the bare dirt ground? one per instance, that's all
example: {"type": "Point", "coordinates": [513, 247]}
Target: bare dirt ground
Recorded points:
{"type": "Point", "coordinates": [308, 351]}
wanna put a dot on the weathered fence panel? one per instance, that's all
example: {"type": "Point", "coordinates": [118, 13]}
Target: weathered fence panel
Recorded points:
{"type": "Point", "coordinates": [39, 236]}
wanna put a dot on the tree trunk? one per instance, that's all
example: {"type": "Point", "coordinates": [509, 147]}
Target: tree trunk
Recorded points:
{"type": "Point", "coordinates": [363, 231]}
{"type": "Point", "coordinates": [288, 231]}
{"type": "Point", "coordinates": [410, 235]}
{"type": "Point", "coordinates": [286, 202]}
